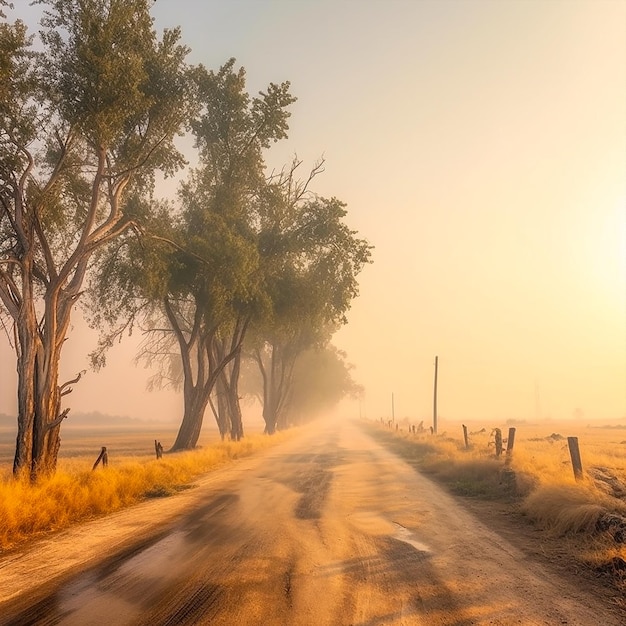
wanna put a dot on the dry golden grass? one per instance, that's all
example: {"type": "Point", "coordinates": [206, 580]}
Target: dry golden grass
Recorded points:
{"type": "Point", "coordinates": [75, 492]}
{"type": "Point", "coordinates": [568, 507]}
{"type": "Point", "coordinates": [538, 476]}
{"type": "Point", "coordinates": [539, 471]}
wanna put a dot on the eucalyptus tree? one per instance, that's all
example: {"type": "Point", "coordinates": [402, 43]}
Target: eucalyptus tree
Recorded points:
{"type": "Point", "coordinates": [312, 263]}
{"type": "Point", "coordinates": [221, 210]}
{"type": "Point", "coordinates": [205, 281]}
{"type": "Point", "coordinates": [82, 123]}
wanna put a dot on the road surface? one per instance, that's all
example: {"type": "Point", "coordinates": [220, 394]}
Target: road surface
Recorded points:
{"type": "Point", "coordinates": [330, 528]}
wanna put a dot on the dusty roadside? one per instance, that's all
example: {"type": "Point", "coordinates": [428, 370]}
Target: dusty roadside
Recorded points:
{"type": "Point", "coordinates": [32, 569]}
{"type": "Point", "coordinates": [562, 554]}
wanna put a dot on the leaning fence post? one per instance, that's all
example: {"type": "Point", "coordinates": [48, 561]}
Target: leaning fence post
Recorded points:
{"type": "Point", "coordinates": [574, 452]}
{"type": "Point", "coordinates": [104, 457]}
{"type": "Point", "coordinates": [465, 437]}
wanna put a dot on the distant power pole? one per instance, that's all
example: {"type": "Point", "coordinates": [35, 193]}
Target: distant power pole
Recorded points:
{"type": "Point", "coordinates": [393, 413]}
{"type": "Point", "coordinates": [435, 397]}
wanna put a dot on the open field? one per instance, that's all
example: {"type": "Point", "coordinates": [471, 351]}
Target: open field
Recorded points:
{"type": "Point", "coordinates": [588, 516]}
{"type": "Point", "coordinates": [83, 442]}
{"type": "Point", "coordinates": [76, 493]}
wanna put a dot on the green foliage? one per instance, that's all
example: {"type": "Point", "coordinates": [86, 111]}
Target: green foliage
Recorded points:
{"type": "Point", "coordinates": [197, 272]}
{"type": "Point", "coordinates": [310, 261]}
{"type": "Point", "coordinates": [212, 258]}
{"type": "Point", "coordinates": [83, 126]}
{"type": "Point", "coordinates": [234, 128]}
{"type": "Point", "coordinates": [109, 76]}
{"type": "Point", "coordinates": [92, 116]}
{"type": "Point", "coordinates": [18, 109]}
{"type": "Point", "coordinates": [312, 258]}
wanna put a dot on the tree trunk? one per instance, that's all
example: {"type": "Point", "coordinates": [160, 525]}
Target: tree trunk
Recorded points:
{"type": "Point", "coordinates": [270, 422]}
{"type": "Point", "coordinates": [39, 395]}
{"type": "Point", "coordinates": [270, 407]}
{"type": "Point", "coordinates": [267, 367]}
{"type": "Point", "coordinates": [277, 377]}
{"type": "Point", "coordinates": [39, 416]}
{"type": "Point", "coordinates": [236, 421]}
{"type": "Point", "coordinates": [191, 425]}
{"type": "Point", "coordinates": [211, 359]}
{"type": "Point", "coordinates": [223, 414]}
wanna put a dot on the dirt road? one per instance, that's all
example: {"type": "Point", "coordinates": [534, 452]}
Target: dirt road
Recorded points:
{"type": "Point", "coordinates": [329, 529]}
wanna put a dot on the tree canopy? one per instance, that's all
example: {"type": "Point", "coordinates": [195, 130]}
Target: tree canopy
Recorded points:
{"type": "Point", "coordinates": [85, 124]}
{"type": "Point", "coordinates": [82, 124]}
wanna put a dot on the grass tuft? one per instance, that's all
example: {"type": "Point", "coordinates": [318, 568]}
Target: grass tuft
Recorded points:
{"type": "Point", "coordinates": [567, 507]}
{"type": "Point", "coordinates": [574, 507]}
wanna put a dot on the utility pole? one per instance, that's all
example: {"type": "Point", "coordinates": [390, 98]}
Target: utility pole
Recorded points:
{"type": "Point", "coordinates": [435, 397]}
{"type": "Point", "coordinates": [393, 413]}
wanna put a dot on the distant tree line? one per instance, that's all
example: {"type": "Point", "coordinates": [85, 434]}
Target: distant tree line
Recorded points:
{"type": "Point", "coordinates": [242, 268]}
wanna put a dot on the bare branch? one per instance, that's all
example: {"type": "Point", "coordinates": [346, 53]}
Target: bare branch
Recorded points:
{"type": "Point", "coordinates": [57, 421]}
{"type": "Point", "coordinates": [65, 388]}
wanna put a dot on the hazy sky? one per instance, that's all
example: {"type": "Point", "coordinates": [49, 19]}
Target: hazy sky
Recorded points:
{"type": "Point", "coordinates": [481, 148]}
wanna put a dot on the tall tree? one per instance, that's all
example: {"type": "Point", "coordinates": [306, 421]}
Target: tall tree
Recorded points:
{"type": "Point", "coordinates": [312, 263]}
{"type": "Point", "coordinates": [81, 124]}
{"type": "Point", "coordinates": [207, 284]}
{"type": "Point", "coordinates": [219, 209]}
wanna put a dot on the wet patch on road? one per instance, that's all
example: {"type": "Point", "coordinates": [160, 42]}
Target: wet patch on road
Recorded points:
{"type": "Point", "coordinates": [132, 581]}
{"type": "Point", "coordinates": [405, 535]}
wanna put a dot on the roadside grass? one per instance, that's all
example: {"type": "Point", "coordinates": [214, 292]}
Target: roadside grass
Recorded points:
{"type": "Point", "coordinates": [538, 479]}
{"type": "Point", "coordinates": [465, 472]}
{"type": "Point", "coordinates": [75, 492]}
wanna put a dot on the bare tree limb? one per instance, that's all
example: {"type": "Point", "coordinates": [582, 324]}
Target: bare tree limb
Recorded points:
{"type": "Point", "coordinates": [65, 388]}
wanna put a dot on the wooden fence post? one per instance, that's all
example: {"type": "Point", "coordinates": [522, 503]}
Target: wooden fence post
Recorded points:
{"type": "Point", "coordinates": [509, 444]}
{"type": "Point", "coordinates": [104, 457]}
{"type": "Point", "coordinates": [498, 441]}
{"type": "Point", "coordinates": [574, 452]}
{"type": "Point", "coordinates": [465, 437]}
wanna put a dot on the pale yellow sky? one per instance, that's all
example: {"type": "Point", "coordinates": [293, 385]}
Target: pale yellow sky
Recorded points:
{"type": "Point", "coordinates": [481, 148]}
